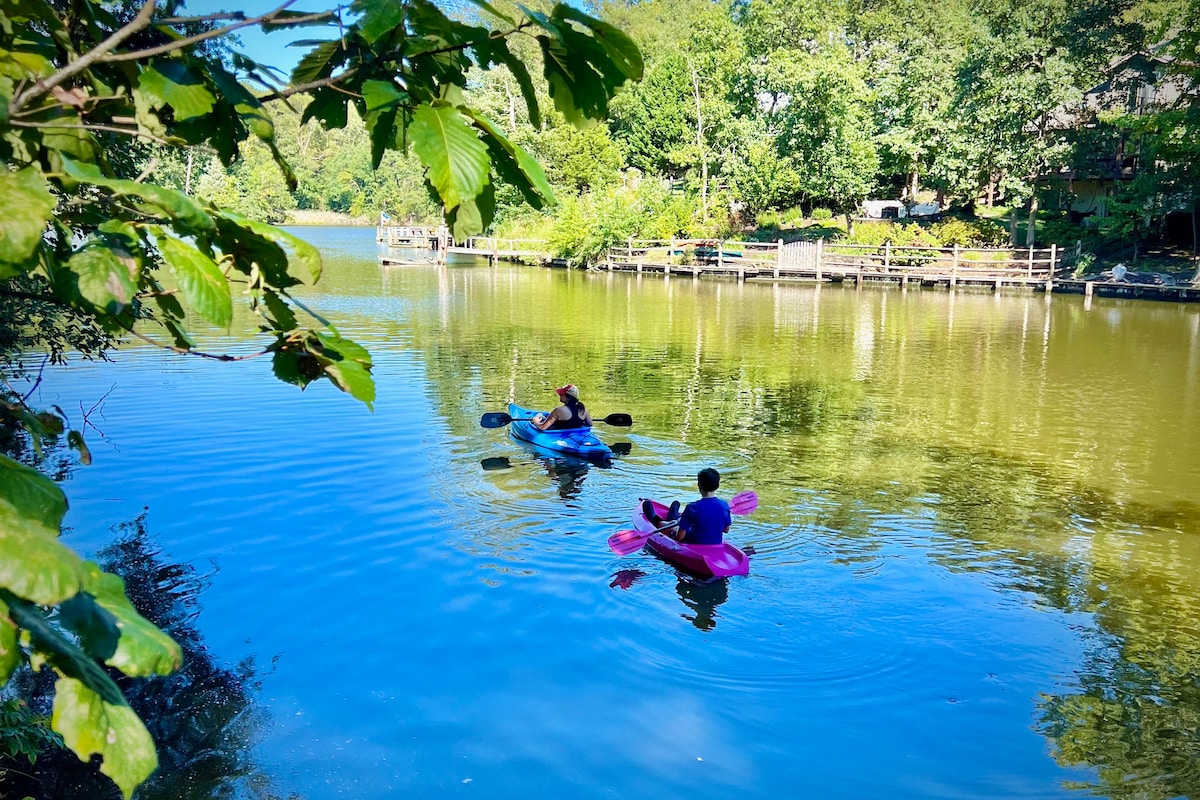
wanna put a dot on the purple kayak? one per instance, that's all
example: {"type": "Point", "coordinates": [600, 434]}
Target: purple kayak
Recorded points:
{"type": "Point", "coordinates": [703, 560]}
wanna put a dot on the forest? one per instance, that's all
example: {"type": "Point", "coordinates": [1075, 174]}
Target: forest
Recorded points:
{"type": "Point", "coordinates": [1061, 121]}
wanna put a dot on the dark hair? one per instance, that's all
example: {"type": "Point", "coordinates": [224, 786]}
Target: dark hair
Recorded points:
{"type": "Point", "coordinates": [709, 480]}
{"type": "Point", "coordinates": [572, 402]}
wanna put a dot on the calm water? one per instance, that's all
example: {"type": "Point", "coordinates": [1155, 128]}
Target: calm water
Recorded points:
{"type": "Point", "coordinates": [978, 569]}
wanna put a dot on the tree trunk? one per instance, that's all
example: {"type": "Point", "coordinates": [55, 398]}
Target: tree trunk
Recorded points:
{"type": "Point", "coordinates": [187, 181]}
{"type": "Point", "coordinates": [912, 187]}
{"type": "Point", "coordinates": [990, 195]}
{"type": "Point", "coordinates": [1031, 231]}
{"type": "Point", "coordinates": [849, 224]}
{"type": "Point", "coordinates": [1012, 226]}
{"type": "Point", "coordinates": [700, 142]}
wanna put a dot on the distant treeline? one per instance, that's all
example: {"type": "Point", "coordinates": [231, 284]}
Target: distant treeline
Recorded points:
{"type": "Point", "coordinates": [761, 105]}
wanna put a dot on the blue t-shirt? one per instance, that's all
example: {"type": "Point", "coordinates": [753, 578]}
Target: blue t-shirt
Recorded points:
{"type": "Point", "coordinates": [705, 521]}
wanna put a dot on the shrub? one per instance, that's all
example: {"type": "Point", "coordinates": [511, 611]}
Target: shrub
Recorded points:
{"type": "Point", "coordinates": [767, 219]}
{"type": "Point", "coordinates": [822, 213]}
{"type": "Point", "coordinates": [969, 233]}
{"type": "Point", "coordinates": [1061, 231]}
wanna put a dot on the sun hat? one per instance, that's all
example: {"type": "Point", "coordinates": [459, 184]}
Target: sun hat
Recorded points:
{"type": "Point", "coordinates": [569, 389]}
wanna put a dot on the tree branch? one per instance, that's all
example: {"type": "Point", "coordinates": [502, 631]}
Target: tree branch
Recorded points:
{"type": "Point", "coordinates": [87, 59]}
{"type": "Point", "coordinates": [331, 82]}
{"type": "Point", "coordinates": [185, 351]}
{"type": "Point", "coordinates": [178, 44]}
{"type": "Point", "coordinates": [134, 132]}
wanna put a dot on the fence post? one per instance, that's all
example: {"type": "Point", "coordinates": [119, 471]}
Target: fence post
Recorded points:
{"type": "Point", "coordinates": [887, 255]}
{"type": "Point", "coordinates": [954, 263]}
{"type": "Point", "coordinates": [1053, 259]}
{"type": "Point", "coordinates": [720, 255]}
{"type": "Point", "coordinates": [820, 255]}
{"type": "Point", "coordinates": [1030, 263]}
{"type": "Point", "coordinates": [778, 256]}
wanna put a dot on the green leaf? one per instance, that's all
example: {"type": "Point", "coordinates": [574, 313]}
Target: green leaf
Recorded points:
{"type": "Point", "coordinates": [103, 274]}
{"type": "Point", "coordinates": [286, 366]}
{"type": "Point", "coordinates": [281, 315]}
{"type": "Point", "coordinates": [620, 48]}
{"type": "Point", "coordinates": [247, 106]}
{"type": "Point", "coordinates": [297, 251]}
{"type": "Point", "coordinates": [382, 102]}
{"type": "Point", "coordinates": [34, 564]}
{"type": "Point", "coordinates": [353, 377]}
{"type": "Point", "coordinates": [473, 217]}
{"type": "Point", "coordinates": [50, 644]}
{"type": "Point", "coordinates": [506, 151]}
{"type": "Point", "coordinates": [455, 159]}
{"type": "Point", "coordinates": [170, 82]}
{"type": "Point", "coordinates": [500, 54]}
{"type": "Point", "coordinates": [345, 348]}
{"type": "Point", "coordinates": [378, 18]}
{"type": "Point", "coordinates": [329, 106]}
{"type": "Point", "coordinates": [25, 207]}
{"type": "Point", "coordinates": [176, 204]}
{"type": "Point", "coordinates": [240, 239]}
{"type": "Point", "coordinates": [31, 494]}
{"type": "Point", "coordinates": [10, 649]}
{"type": "Point", "coordinates": [95, 627]}
{"type": "Point", "coordinates": [90, 725]}
{"type": "Point", "coordinates": [203, 285]}
{"type": "Point", "coordinates": [142, 649]}
{"type": "Point", "coordinates": [319, 62]}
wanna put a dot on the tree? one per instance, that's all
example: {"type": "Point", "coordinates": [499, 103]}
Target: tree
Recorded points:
{"type": "Point", "coordinates": [912, 58]}
{"type": "Point", "coordinates": [1020, 86]}
{"type": "Point", "coordinates": [83, 87]}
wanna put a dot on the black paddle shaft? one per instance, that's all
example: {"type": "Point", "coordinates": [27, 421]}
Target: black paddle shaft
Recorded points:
{"type": "Point", "coordinates": [498, 419]}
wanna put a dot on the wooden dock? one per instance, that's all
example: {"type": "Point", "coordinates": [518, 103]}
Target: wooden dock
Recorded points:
{"type": "Point", "coordinates": [994, 269]}
{"type": "Point", "coordinates": [409, 244]}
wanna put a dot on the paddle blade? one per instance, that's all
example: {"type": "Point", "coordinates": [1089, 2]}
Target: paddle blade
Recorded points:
{"type": "Point", "coordinates": [620, 420]}
{"type": "Point", "coordinates": [625, 542]}
{"type": "Point", "coordinates": [743, 503]}
{"type": "Point", "coordinates": [495, 419]}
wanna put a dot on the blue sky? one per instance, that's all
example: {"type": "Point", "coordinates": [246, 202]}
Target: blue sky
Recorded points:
{"type": "Point", "coordinates": [266, 48]}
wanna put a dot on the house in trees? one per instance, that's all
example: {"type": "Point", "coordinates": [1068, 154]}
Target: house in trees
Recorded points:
{"type": "Point", "coordinates": [1104, 156]}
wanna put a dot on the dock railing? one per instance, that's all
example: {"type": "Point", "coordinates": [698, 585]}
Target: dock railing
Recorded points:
{"type": "Point", "coordinates": [965, 263]}
{"type": "Point", "coordinates": [497, 246]}
{"type": "Point", "coordinates": [822, 260]}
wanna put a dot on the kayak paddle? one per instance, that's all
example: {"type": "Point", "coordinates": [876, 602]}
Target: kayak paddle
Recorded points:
{"type": "Point", "coordinates": [629, 541]}
{"type": "Point", "coordinates": [498, 419]}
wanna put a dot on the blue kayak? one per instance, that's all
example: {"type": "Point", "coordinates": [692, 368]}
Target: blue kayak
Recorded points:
{"type": "Point", "coordinates": [581, 442]}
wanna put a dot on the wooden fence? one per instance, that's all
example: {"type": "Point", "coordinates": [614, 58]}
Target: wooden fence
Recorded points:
{"type": "Point", "coordinates": [819, 260]}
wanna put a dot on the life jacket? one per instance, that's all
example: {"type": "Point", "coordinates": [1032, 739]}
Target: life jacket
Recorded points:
{"type": "Point", "coordinates": [576, 421]}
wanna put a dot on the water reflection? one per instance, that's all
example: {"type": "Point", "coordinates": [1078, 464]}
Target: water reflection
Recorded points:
{"type": "Point", "coordinates": [702, 599]}
{"type": "Point", "coordinates": [204, 718]}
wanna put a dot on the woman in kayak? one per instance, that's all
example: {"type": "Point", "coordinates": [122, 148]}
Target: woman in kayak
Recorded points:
{"type": "Point", "coordinates": [571, 414]}
{"type": "Point", "coordinates": [704, 521]}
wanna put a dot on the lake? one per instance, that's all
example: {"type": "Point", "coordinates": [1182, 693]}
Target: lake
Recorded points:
{"type": "Point", "coordinates": [978, 555]}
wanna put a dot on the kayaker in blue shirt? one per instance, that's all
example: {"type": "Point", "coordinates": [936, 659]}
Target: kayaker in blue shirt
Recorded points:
{"type": "Point", "coordinates": [571, 414]}
{"type": "Point", "coordinates": [704, 521]}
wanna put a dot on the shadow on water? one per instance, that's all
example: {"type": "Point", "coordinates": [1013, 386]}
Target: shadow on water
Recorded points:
{"type": "Point", "coordinates": [204, 719]}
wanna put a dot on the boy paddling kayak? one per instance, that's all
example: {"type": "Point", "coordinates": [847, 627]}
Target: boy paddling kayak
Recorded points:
{"type": "Point", "coordinates": [703, 521]}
